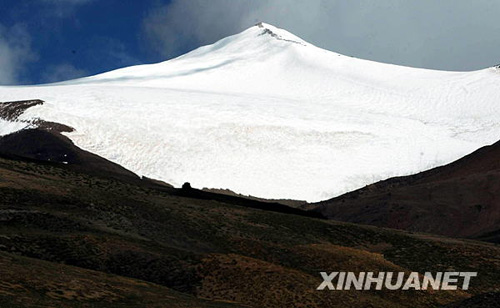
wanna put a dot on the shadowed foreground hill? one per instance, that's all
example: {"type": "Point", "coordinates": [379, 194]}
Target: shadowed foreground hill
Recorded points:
{"type": "Point", "coordinates": [72, 238]}
{"type": "Point", "coordinates": [461, 199]}
{"type": "Point", "coordinates": [28, 282]}
{"type": "Point", "coordinates": [47, 146]}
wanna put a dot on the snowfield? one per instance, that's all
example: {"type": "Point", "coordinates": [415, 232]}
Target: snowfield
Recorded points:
{"type": "Point", "coordinates": [267, 114]}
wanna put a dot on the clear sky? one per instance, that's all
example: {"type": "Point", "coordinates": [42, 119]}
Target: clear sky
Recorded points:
{"type": "Point", "coordinates": [52, 40]}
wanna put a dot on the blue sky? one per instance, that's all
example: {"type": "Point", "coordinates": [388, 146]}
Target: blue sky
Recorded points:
{"type": "Point", "coordinates": [51, 40]}
{"type": "Point", "coordinates": [63, 39]}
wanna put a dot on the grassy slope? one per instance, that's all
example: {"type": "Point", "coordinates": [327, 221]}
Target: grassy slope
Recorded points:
{"type": "Point", "coordinates": [28, 282]}
{"type": "Point", "coordinates": [208, 249]}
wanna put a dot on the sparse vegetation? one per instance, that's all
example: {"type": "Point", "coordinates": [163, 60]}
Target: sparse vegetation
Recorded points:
{"type": "Point", "coordinates": [203, 248]}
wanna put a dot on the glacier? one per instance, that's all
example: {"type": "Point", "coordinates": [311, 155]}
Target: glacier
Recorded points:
{"type": "Point", "coordinates": [267, 114]}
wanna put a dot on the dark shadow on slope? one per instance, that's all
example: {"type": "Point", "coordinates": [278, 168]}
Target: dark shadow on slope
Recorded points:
{"type": "Point", "coordinates": [188, 191]}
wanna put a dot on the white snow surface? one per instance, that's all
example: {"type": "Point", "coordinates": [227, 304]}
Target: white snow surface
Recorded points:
{"type": "Point", "coordinates": [7, 127]}
{"type": "Point", "coordinates": [267, 114]}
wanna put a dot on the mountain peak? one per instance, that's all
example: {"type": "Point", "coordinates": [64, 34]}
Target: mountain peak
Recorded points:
{"type": "Point", "coordinates": [279, 34]}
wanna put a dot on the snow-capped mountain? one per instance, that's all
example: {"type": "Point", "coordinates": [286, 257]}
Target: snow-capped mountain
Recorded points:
{"type": "Point", "coordinates": [265, 113]}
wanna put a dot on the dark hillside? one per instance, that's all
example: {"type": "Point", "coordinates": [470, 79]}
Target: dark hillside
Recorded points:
{"type": "Point", "coordinates": [461, 199]}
